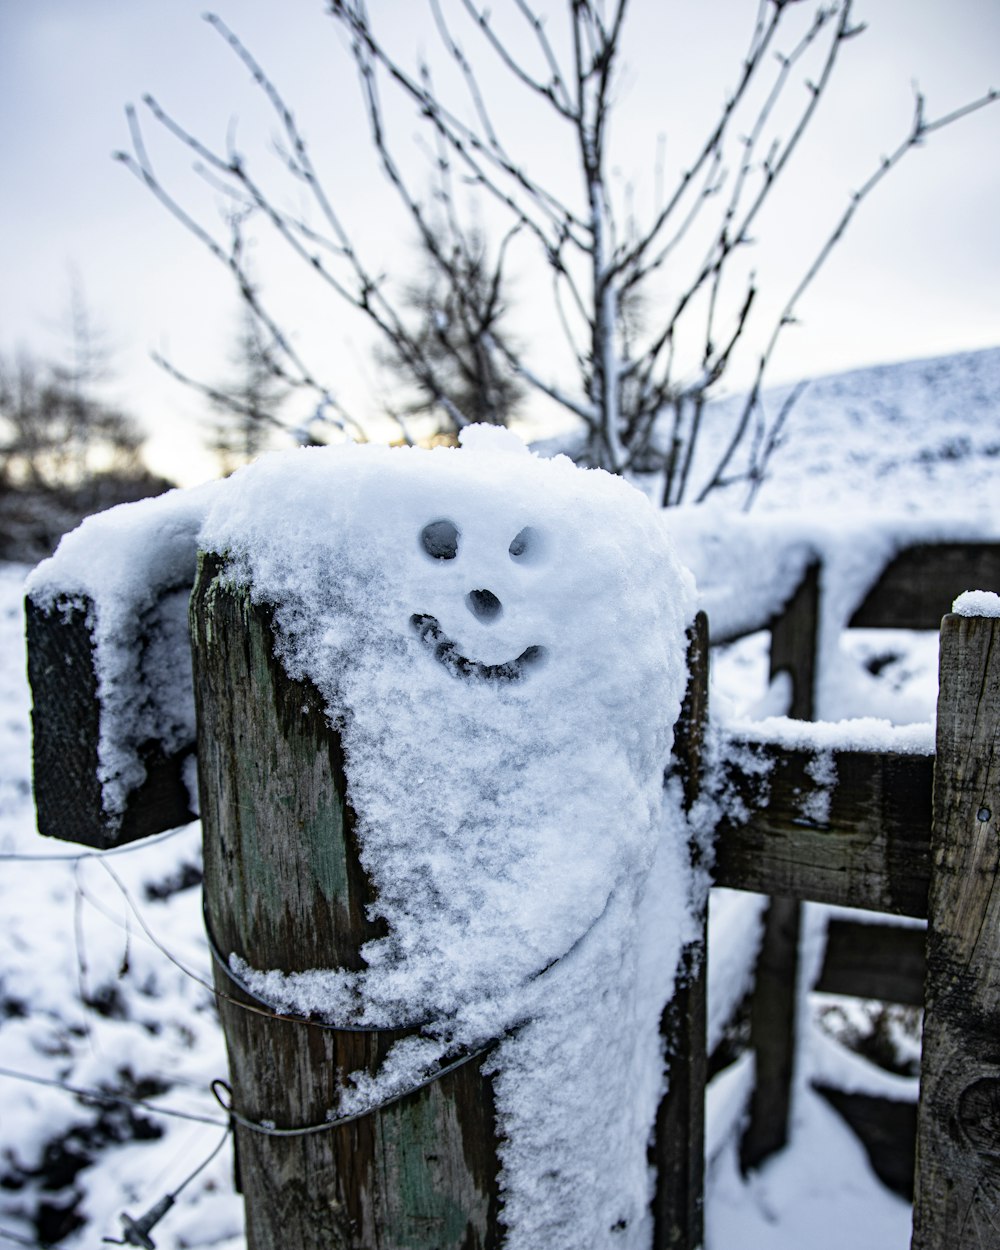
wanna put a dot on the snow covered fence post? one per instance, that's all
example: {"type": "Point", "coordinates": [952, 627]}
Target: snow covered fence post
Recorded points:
{"type": "Point", "coordinates": [679, 1143]}
{"type": "Point", "coordinates": [283, 885]}
{"type": "Point", "coordinates": [436, 695]}
{"type": "Point", "coordinates": [957, 1195]}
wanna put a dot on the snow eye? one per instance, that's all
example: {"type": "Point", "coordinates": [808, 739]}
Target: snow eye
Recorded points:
{"type": "Point", "coordinates": [526, 546]}
{"type": "Point", "coordinates": [440, 540]}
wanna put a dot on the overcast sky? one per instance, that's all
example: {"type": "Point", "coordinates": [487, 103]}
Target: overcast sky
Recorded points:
{"type": "Point", "coordinates": [916, 276]}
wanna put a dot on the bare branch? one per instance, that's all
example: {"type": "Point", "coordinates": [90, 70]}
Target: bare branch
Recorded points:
{"type": "Point", "coordinates": [554, 91]}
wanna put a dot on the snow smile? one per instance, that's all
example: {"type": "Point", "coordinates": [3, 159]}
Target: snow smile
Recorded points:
{"type": "Point", "coordinates": [446, 652]}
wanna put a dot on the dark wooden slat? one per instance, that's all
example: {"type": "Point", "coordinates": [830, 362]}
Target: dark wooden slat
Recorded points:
{"type": "Point", "coordinates": [65, 720]}
{"type": "Point", "coordinates": [678, 1151]}
{"type": "Point", "coordinates": [794, 654]}
{"type": "Point", "coordinates": [284, 888]}
{"type": "Point", "coordinates": [871, 850]}
{"type": "Point", "coordinates": [918, 587]}
{"type": "Point", "coordinates": [794, 643]}
{"type": "Point", "coordinates": [772, 1033]}
{"type": "Point", "coordinates": [958, 1127]}
{"type": "Point", "coordinates": [883, 961]}
{"type": "Point", "coordinates": [887, 1128]}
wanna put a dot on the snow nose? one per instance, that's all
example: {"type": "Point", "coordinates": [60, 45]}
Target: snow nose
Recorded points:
{"type": "Point", "coordinates": [484, 606]}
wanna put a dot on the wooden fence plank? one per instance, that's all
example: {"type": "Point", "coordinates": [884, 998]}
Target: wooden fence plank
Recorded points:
{"type": "Point", "coordinates": [917, 588]}
{"type": "Point", "coordinates": [284, 889]}
{"type": "Point", "coordinates": [795, 655]}
{"type": "Point", "coordinates": [678, 1152]}
{"type": "Point", "coordinates": [795, 643]}
{"type": "Point", "coordinates": [870, 850]}
{"type": "Point", "coordinates": [66, 727]}
{"type": "Point", "coordinates": [772, 1033]}
{"type": "Point", "coordinates": [957, 1203]}
{"type": "Point", "coordinates": [883, 961]}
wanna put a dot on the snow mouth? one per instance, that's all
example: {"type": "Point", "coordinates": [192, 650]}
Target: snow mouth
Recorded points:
{"type": "Point", "coordinates": [447, 653]}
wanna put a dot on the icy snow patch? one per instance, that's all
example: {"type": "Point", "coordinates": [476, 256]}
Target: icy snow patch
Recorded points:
{"type": "Point", "coordinates": [861, 733]}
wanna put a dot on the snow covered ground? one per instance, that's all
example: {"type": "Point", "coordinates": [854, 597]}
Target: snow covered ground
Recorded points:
{"type": "Point", "coordinates": [915, 446]}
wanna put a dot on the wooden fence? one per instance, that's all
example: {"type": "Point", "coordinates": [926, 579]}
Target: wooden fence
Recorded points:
{"type": "Point", "coordinates": [914, 591]}
{"type": "Point", "coordinates": [902, 835]}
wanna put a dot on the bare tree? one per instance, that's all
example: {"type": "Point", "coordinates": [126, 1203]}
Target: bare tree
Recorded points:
{"type": "Point", "coordinates": [247, 405]}
{"type": "Point", "coordinates": [639, 385]}
{"type": "Point", "coordinates": [65, 450]}
{"type": "Point", "coordinates": [58, 429]}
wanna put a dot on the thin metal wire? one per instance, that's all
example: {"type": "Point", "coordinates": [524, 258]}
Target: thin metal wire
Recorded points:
{"type": "Point", "coordinates": [75, 856]}
{"type": "Point", "coordinates": [99, 1095]}
{"type": "Point", "coordinates": [204, 1163]}
{"type": "Point", "coordinates": [223, 965]}
{"type": "Point", "coordinates": [266, 1130]}
{"type": "Point", "coordinates": [137, 1230]}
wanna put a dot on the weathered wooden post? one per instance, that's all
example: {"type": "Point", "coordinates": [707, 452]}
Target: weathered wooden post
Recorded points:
{"type": "Point", "coordinates": [284, 889]}
{"type": "Point", "coordinates": [679, 1145]}
{"type": "Point", "coordinates": [795, 654]}
{"type": "Point", "coordinates": [957, 1199]}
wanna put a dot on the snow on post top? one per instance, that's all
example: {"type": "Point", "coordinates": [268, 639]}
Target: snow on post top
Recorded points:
{"type": "Point", "coordinates": [977, 603]}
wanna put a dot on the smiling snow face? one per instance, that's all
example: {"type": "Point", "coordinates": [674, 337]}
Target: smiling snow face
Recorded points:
{"type": "Point", "coordinates": [441, 541]}
{"type": "Point", "coordinates": [501, 640]}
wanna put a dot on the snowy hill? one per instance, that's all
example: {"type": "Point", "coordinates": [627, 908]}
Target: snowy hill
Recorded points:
{"type": "Point", "coordinates": [922, 436]}
{"type": "Point", "coordinates": [89, 998]}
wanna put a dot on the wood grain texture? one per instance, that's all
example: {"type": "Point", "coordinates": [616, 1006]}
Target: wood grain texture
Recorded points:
{"type": "Point", "coordinates": [867, 846]}
{"type": "Point", "coordinates": [66, 727]}
{"type": "Point", "coordinates": [957, 1201]}
{"type": "Point", "coordinates": [284, 889]}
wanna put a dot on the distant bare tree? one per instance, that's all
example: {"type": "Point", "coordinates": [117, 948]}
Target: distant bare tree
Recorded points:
{"type": "Point", "coordinates": [247, 405]}
{"type": "Point", "coordinates": [456, 325]}
{"type": "Point", "coordinates": [65, 451]}
{"type": "Point", "coordinates": [639, 398]}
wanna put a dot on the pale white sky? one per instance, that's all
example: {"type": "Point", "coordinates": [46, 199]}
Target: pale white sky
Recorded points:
{"type": "Point", "coordinates": [916, 276]}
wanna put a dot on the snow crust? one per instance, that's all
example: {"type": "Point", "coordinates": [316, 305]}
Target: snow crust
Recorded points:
{"type": "Point", "coordinates": [748, 567]}
{"type": "Point", "coordinates": [858, 733]}
{"type": "Point", "coordinates": [500, 640]}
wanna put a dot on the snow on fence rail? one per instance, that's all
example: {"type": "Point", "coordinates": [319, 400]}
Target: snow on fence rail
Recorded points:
{"type": "Point", "coordinates": [893, 831]}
